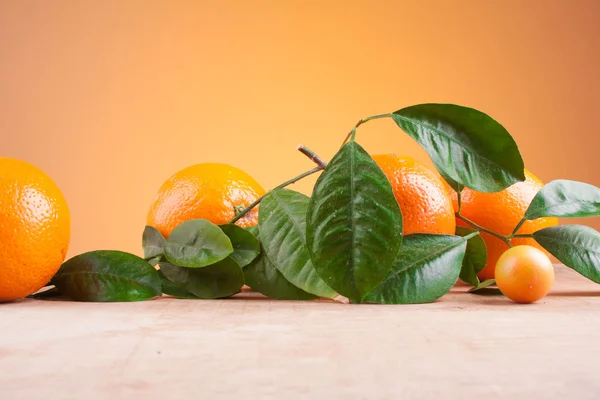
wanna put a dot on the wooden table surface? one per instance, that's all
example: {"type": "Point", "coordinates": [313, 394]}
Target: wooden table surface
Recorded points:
{"type": "Point", "coordinates": [463, 346]}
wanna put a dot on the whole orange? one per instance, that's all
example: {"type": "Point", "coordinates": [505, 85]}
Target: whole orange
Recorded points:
{"type": "Point", "coordinates": [524, 274]}
{"type": "Point", "coordinates": [425, 203]}
{"type": "Point", "coordinates": [209, 191]}
{"type": "Point", "coordinates": [500, 212]}
{"type": "Point", "coordinates": [35, 229]}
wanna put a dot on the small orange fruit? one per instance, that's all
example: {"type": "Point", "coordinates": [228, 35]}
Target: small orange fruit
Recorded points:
{"type": "Point", "coordinates": [35, 228]}
{"type": "Point", "coordinates": [425, 204]}
{"type": "Point", "coordinates": [524, 274]}
{"type": "Point", "coordinates": [500, 212]}
{"type": "Point", "coordinates": [208, 191]}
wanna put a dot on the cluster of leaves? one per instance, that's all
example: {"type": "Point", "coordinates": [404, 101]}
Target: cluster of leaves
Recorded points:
{"type": "Point", "coordinates": [576, 246]}
{"type": "Point", "coordinates": [200, 260]}
{"type": "Point", "coordinates": [346, 239]}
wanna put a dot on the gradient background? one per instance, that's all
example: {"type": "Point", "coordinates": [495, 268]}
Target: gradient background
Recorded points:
{"type": "Point", "coordinates": [112, 97]}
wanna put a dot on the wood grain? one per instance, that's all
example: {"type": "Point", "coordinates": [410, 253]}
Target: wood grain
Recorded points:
{"type": "Point", "coordinates": [463, 346]}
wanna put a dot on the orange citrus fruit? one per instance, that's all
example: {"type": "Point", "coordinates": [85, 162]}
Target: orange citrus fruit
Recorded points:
{"type": "Point", "coordinates": [425, 203]}
{"type": "Point", "coordinates": [35, 229]}
{"type": "Point", "coordinates": [500, 212]}
{"type": "Point", "coordinates": [524, 274]}
{"type": "Point", "coordinates": [209, 191]}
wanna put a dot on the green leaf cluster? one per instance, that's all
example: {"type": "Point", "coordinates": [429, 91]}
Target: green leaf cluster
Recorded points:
{"type": "Point", "coordinates": [576, 246]}
{"type": "Point", "coordinates": [199, 260]}
{"type": "Point", "coordinates": [470, 149]}
{"type": "Point", "coordinates": [347, 238]}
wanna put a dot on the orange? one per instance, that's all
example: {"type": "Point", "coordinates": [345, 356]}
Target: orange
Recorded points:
{"type": "Point", "coordinates": [35, 228]}
{"type": "Point", "coordinates": [425, 204]}
{"type": "Point", "coordinates": [524, 274]}
{"type": "Point", "coordinates": [208, 191]}
{"type": "Point", "coordinates": [500, 212]}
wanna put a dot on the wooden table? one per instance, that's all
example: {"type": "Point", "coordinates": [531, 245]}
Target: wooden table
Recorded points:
{"type": "Point", "coordinates": [462, 346]}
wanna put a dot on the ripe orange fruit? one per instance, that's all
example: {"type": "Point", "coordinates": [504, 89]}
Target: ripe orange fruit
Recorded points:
{"type": "Point", "coordinates": [500, 212]}
{"type": "Point", "coordinates": [524, 274]}
{"type": "Point", "coordinates": [425, 204]}
{"type": "Point", "coordinates": [35, 228]}
{"type": "Point", "coordinates": [210, 191]}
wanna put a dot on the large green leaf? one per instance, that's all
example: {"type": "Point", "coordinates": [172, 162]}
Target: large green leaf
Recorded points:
{"type": "Point", "coordinates": [107, 275]}
{"type": "Point", "coordinates": [153, 244]}
{"type": "Point", "coordinates": [425, 269]}
{"type": "Point", "coordinates": [475, 256]}
{"type": "Point", "coordinates": [354, 224]}
{"type": "Point", "coordinates": [222, 279]}
{"type": "Point", "coordinates": [264, 278]}
{"type": "Point", "coordinates": [563, 198]}
{"type": "Point", "coordinates": [282, 226]}
{"type": "Point", "coordinates": [576, 246]}
{"type": "Point", "coordinates": [197, 243]}
{"type": "Point", "coordinates": [245, 245]}
{"type": "Point", "coordinates": [466, 145]}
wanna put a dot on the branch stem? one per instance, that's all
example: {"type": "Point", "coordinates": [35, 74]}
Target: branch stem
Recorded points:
{"type": "Point", "coordinates": [482, 229]}
{"type": "Point", "coordinates": [372, 117]}
{"type": "Point", "coordinates": [352, 133]}
{"type": "Point", "coordinates": [348, 136]}
{"type": "Point", "coordinates": [519, 225]}
{"type": "Point", "coordinates": [523, 236]}
{"type": "Point", "coordinates": [314, 157]}
{"type": "Point", "coordinates": [308, 153]}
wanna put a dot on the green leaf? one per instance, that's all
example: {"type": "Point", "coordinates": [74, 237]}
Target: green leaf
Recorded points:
{"type": "Point", "coordinates": [567, 199]}
{"type": "Point", "coordinates": [282, 226]}
{"type": "Point", "coordinates": [466, 145]}
{"type": "Point", "coordinates": [197, 243]}
{"type": "Point", "coordinates": [354, 224]}
{"type": "Point", "coordinates": [458, 188]}
{"type": "Point", "coordinates": [107, 275]}
{"type": "Point", "coordinates": [426, 268]}
{"type": "Point", "coordinates": [174, 290]}
{"type": "Point", "coordinates": [475, 256]}
{"type": "Point", "coordinates": [576, 246]}
{"type": "Point", "coordinates": [215, 281]}
{"type": "Point", "coordinates": [245, 246]}
{"type": "Point", "coordinates": [153, 243]}
{"type": "Point", "coordinates": [483, 285]}
{"type": "Point", "coordinates": [264, 278]}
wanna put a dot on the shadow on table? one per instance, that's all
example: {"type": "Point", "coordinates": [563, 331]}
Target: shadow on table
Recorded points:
{"type": "Point", "coordinates": [564, 293]}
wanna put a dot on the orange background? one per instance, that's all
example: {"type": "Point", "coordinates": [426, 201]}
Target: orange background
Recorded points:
{"type": "Point", "coordinates": [112, 97]}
